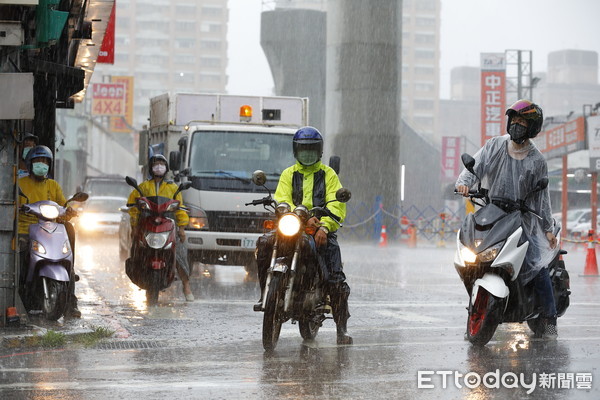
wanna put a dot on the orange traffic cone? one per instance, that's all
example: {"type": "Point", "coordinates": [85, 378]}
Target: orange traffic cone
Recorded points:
{"type": "Point", "coordinates": [591, 265]}
{"type": "Point", "coordinates": [383, 237]}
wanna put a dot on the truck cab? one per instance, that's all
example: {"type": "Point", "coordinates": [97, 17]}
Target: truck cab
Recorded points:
{"type": "Point", "coordinates": [216, 142]}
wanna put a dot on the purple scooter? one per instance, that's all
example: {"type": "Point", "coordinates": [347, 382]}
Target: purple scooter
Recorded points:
{"type": "Point", "coordinates": [50, 260]}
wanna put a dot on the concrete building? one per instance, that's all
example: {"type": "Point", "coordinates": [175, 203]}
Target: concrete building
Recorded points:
{"type": "Point", "coordinates": [421, 66]}
{"type": "Point", "coordinates": [169, 45]}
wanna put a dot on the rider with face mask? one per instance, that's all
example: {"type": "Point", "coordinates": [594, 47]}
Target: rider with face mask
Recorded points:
{"type": "Point", "coordinates": [28, 142]}
{"type": "Point", "coordinates": [158, 186]}
{"type": "Point", "coordinates": [311, 183]}
{"type": "Point", "coordinates": [512, 165]}
{"type": "Point", "coordinates": [37, 187]}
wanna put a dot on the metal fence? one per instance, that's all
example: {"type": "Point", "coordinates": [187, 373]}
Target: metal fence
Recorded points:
{"type": "Point", "coordinates": [364, 222]}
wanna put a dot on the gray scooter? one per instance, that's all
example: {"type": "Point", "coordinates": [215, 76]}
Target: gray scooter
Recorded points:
{"type": "Point", "coordinates": [50, 261]}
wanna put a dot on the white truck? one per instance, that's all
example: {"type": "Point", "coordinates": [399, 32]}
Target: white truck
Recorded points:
{"type": "Point", "coordinates": [217, 141]}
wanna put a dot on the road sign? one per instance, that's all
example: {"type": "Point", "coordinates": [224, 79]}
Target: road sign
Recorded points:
{"type": "Point", "coordinates": [108, 99]}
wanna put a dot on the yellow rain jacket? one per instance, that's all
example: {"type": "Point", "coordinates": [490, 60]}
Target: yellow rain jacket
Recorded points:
{"type": "Point", "coordinates": [311, 186]}
{"type": "Point", "coordinates": [166, 189]}
{"type": "Point", "coordinates": [35, 190]}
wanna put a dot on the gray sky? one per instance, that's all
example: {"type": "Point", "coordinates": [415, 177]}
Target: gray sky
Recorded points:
{"type": "Point", "coordinates": [469, 27]}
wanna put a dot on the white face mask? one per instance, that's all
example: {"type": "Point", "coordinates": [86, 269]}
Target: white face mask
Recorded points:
{"type": "Point", "coordinates": [159, 170]}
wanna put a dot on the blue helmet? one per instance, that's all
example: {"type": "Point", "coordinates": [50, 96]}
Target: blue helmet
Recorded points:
{"type": "Point", "coordinates": [37, 152]}
{"type": "Point", "coordinates": [307, 145]}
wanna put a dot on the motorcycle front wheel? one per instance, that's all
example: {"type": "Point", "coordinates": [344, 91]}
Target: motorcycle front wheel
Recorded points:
{"type": "Point", "coordinates": [272, 318]}
{"type": "Point", "coordinates": [308, 329]}
{"type": "Point", "coordinates": [483, 318]}
{"type": "Point", "coordinates": [154, 284]}
{"type": "Point", "coordinates": [54, 306]}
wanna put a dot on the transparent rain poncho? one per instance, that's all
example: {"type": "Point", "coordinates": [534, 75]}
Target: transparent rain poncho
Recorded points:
{"type": "Point", "coordinates": [507, 177]}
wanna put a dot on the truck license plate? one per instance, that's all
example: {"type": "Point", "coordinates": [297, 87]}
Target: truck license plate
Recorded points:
{"type": "Point", "coordinates": [248, 243]}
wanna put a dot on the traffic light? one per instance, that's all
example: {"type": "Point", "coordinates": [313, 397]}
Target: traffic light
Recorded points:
{"type": "Point", "coordinates": [49, 22]}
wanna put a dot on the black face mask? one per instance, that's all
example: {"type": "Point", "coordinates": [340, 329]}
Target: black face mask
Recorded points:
{"type": "Point", "coordinates": [518, 133]}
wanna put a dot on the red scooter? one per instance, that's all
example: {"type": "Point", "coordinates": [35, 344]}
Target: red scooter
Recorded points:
{"type": "Point", "coordinates": [152, 265]}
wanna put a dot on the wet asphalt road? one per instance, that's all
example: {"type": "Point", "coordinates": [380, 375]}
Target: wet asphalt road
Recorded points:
{"type": "Point", "coordinates": [408, 315]}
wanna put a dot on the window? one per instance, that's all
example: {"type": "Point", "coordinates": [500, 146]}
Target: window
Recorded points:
{"type": "Point", "coordinates": [210, 62]}
{"type": "Point", "coordinates": [210, 44]}
{"type": "Point", "coordinates": [185, 43]}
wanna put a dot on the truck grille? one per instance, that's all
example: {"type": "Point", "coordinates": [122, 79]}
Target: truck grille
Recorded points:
{"type": "Point", "coordinates": [243, 222]}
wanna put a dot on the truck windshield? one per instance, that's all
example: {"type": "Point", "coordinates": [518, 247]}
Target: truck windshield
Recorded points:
{"type": "Point", "coordinates": [234, 155]}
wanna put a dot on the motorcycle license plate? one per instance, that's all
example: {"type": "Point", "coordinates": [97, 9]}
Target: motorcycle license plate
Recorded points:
{"type": "Point", "coordinates": [248, 243]}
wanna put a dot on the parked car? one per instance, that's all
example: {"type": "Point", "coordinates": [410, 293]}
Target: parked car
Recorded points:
{"type": "Point", "coordinates": [575, 217]}
{"type": "Point", "coordinates": [581, 223]}
{"type": "Point", "coordinates": [100, 215]}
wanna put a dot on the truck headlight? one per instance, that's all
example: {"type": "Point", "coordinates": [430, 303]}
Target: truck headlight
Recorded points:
{"type": "Point", "coordinates": [289, 225]}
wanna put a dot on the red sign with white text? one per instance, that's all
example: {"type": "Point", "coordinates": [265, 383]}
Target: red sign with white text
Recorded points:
{"type": "Point", "coordinates": [493, 95]}
{"type": "Point", "coordinates": [108, 99]}
{"type": "Point", "coordinates": [106, 54]}
{"type": "Point", "coordinates": [451, 150]}
{"type": "Point", "coordinates": [563, 139]}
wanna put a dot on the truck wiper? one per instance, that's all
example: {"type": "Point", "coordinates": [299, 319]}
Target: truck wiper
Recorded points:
{"type": "Point", "coordinates": [220, 171]}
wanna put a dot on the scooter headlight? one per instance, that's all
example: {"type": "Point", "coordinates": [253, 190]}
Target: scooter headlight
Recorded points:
{"type": "Point", "coordinates": [467, 255]}
{"type": "Point", "coordinates": [49, 211]}
{"type": "Point", "coordinates": [491, 253]}
{"type": "Point", "coordinates": [157, 240]}
{"type": "Point", "coordinates": [37, 247]}
{"type": "Point", "coordinates": [289, 225]}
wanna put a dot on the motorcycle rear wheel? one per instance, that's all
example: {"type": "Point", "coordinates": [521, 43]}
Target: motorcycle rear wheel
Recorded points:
{"type": "Point", "coordinates": [272, 318]}
{"type": "Point", "coordinates": [483, 318]}
{"type": "Point", "coordinates": [56, 303]}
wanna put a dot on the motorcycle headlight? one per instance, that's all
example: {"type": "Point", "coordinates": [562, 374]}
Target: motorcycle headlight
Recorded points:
{"type": "Point", "coordinates": [37, 247]}
{"type": "Point", "coordinates": [491, 253]}
{"type": "Point", "coordinates": [49, 211]}
{"type": "Point", "coordinates": [289, 225]}
{"type": "Point", "coordinates": [157, 240]}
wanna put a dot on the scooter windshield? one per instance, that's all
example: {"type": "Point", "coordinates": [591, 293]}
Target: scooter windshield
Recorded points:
{"type": "Point", "coordinates": [488, 215]}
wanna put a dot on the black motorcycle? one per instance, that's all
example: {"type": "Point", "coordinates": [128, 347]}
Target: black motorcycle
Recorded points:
{"type": "Point", "coordinates": [294, 285]}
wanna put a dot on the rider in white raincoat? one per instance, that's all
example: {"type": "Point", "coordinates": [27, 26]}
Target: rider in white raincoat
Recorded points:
{"type": "Point", "coordinates": [510, 166]}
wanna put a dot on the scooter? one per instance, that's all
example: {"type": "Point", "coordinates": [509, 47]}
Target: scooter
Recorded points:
{"type": "Point", "coordinates": [489, 258]}
{"type": "Point", "coordinates": [294, 285]}
{"type": "Point", "coordinates": [152, 265]}
{"type": "Point", "coordinates": [50, 258]}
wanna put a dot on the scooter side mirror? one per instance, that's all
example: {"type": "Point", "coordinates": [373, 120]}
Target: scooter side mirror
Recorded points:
{"type": "Point", "coordinates": [343, 195]}
{"type": "Point", "coordinates": [259, 178]}
{"type": "Point", "coordinates": [79, 197]}
{"type": "Point", "coordinates": [133, 183]}
{"type": "Point", "coordinates": [468, 162]}
{"type": "Point", "coordinates": [183, 186]}
{"type": "Point", "coordinates": [542, 184]}
{"type": "Point", "coordinates": [23, 194]}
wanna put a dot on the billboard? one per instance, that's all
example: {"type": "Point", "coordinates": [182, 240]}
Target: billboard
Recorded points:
{"type": "Point", "coordinates": [108, 99]}
{"type": "Point", "coordinates": [117, 124]}
{"type": "Point", "coordinates": [493, 95]}
{"type": "Point", "coordinates": [562, 139]}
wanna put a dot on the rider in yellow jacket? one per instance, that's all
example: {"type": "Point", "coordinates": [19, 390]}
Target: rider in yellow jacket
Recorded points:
{"type": "Point", "coordinates": [312, 183]}
{"type": "Point", "coordinates": [157, 186]}
{"type": "Point", "coordinates": [37, 187]}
